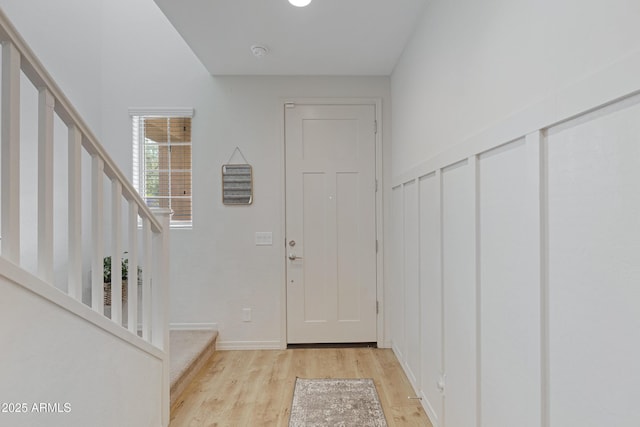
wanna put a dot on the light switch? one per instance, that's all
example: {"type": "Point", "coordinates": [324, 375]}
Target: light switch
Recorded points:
{"type": "Point", "coordinates": [264, 238]}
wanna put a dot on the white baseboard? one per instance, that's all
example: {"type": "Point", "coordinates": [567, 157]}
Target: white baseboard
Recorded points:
{"type": "Point", "coordinates": [426, 405]}
{"type": "Point", "coordinates": [397, 352]}
{"type": "Point", "coordinates": [193, 326]}
{"type": "Point", "coordinates": [385, 344]}
{"type": "Point", "coordinates": [431, 413]}
{"type": "Point", "coordinates": [248, 345]}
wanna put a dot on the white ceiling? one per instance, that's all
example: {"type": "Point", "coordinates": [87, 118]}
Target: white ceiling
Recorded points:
{"type": "Point", "coordinates": [328, 37]}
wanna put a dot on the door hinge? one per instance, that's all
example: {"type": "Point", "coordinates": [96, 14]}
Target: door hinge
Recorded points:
{"type": "Point", "coordinates": [375, 126]}
{"type": "Point", "coordinates": [289, 105]}
{"type": "Point", "coordinates": [376, 245]}
{"type": "Point", "coordinates": [377, 307]}
{"type": "Point", "coordinates": [376, 185]}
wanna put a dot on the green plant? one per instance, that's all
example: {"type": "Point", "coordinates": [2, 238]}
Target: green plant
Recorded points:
{"type": "Point", "coordinates": [106, 272]}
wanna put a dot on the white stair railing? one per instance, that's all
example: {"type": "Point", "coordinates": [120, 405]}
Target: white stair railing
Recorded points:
{"type": "Point", "coordinates": [144, 323]}
{"type": "Point", "coordinates": [149, 252]}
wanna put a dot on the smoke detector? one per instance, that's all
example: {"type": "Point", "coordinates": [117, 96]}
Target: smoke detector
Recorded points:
{"type": "Point", "coordinates": [259, 50]}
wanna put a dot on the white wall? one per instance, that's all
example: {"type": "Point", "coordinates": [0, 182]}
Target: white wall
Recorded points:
{"type": "Point", "coordinates": [472, 64]}
{"type": "Point", "coordinates": [219, 270]}
{"type": "Point", "coordinates": [216, 270]}
{"type": "Point", "coordinates": [67, 38]}
{"type": "Point", "coordinates": [133, 57]}
{"type": "Point", "coordinates": [527, 212]}
{"type": "Point", "coordinates": [51, 355]}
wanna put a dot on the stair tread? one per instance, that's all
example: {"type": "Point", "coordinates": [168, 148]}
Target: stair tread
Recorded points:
{"type": "Point", "coordinates": [186, 347]}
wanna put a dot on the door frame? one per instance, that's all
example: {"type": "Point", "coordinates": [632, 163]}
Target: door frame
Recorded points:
{"type": "Point", "coordinates": [379, 209]}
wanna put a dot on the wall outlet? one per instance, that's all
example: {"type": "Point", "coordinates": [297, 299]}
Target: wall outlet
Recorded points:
{"type": "Point", "coordinates": [246, 315]}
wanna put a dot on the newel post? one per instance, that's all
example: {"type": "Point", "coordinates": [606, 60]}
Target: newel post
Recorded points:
{"type": "Point", "coordinates": [160, 302]}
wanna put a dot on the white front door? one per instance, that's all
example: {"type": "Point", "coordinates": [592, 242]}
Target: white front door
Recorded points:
{"type": "Point", "coordinates": [330, 223]}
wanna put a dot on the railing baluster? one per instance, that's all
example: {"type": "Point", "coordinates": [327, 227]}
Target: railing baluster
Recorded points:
{"type": "Point", "coordinates": [45, 185]}
{"type": "Point", "coordinates": [132, 304]}
{"type": "Point", "coordinates": [75, 212]}
{"type": "Point", "coordinates": [116, 251]}
{"type": "Point", "coordinates": [146, 279]}
{"type": "Point", "coordinates": [97, 215]}
{"type": "Point", "coordinates": [160, 292]}
{"type": "Point", "coordinates": [10, 152]}
{"type": "Point", "coordinates": [160, 301]}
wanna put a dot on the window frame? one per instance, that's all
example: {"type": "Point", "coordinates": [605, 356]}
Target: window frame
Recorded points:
{"type": "Point", "coordinates": [138, 174]}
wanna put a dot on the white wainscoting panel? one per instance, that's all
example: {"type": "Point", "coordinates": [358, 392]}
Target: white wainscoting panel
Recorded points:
{"type": "Point", "coordinates": [594, 269]}
{"type": "Point", "coordinates": [411, 281]}
{"type": "Point", "coordinates": [431, 295]}
{"type": "Point", "coordinates": [510, 292]}
{"type": "Point", "coordinates": [397, 273]}
{"type": "Point", "coordinates": [526, 240]}
{"type": "Point", "coordinates": [459, 272]}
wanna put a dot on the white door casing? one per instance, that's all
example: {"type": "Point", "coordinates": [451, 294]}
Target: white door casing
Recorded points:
{"type": "Point", "coordinates": [330, 153]}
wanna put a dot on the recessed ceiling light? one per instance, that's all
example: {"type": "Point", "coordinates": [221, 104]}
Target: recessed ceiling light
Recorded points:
{"type": "Point", "coordinates": [259, 51]}
{"type": "Point", "coordinates": [300, 3]}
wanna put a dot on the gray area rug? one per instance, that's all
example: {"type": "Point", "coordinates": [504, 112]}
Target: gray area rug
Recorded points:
{"type": "Point", "coordinates": [336, 402]}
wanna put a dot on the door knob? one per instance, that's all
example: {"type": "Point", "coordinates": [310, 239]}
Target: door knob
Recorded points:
{"type": "Point", "coordinates": [293, 257]}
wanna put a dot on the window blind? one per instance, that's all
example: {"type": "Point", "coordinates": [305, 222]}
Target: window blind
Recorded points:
{"type": "Point", "coordinates": [164, 168]}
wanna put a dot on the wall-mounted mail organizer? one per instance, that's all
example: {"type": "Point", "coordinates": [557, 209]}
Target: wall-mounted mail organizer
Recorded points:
{"type": "Point", "coordinates": [237, 182]}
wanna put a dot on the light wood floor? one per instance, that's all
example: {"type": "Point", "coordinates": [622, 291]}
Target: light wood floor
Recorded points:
{"type": "Point", "coordinates": [255, 388]}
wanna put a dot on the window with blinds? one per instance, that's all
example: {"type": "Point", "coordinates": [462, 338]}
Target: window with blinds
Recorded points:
{"type": "Point", "coordinates": [163, 168]}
